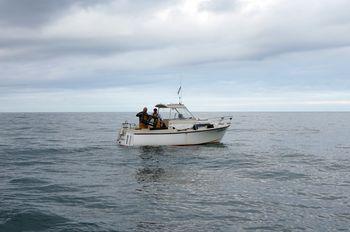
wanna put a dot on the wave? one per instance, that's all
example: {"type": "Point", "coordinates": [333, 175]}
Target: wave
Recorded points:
{"type": "Point", "coordinates": [30, 220]}
{"type": "Point", "coordinates": [277, 175]}
{"type": "Point", "coordinates": [50, 150]}
{"type": "Point", "coordinates": [27, 180]}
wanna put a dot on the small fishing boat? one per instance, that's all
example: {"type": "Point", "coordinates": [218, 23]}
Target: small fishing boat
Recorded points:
{"type": "Point", "coordinates": [180, 127]}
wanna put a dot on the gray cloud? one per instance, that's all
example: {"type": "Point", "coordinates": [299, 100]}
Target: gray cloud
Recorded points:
{"type": "Point", "coordinates": [31, 49]}
{"type": "Point", "coordinates": [269, 37]}
{"type": "Point", "coordinates": [29, 13]}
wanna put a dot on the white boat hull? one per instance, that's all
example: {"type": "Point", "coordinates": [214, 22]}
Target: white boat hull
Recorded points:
{"type": "Point", "coordinates": [132, 137]}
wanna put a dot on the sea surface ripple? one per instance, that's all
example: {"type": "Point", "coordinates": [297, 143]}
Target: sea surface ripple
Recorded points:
{"type": "Point", "coordinates": [272, 172]}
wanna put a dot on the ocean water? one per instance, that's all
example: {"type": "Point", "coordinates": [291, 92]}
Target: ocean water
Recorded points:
{"type": "Point", "coordinates": [272, 172]}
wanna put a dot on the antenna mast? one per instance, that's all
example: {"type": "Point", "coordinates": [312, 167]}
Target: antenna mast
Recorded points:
{"type": "Point", "coordinates": [179, 93]}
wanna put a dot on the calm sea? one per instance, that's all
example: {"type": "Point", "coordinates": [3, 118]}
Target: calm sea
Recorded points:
{"type": "Point", "coordinates": [272, 172]}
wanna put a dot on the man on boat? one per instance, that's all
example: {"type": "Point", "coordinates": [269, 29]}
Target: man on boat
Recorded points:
{"type": "Point", "coordinates": [157, 120]}
{"type": "Point", "coordinates": [144, 118]}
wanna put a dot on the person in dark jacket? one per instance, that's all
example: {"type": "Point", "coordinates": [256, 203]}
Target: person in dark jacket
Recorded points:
{"type": "Point", "coordinates": [157, 120]}
{"type": "Point", "coordinates": [144, 118]}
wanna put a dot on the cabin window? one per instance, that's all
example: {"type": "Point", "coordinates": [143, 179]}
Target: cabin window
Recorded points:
{"type": "Point", "coordinates": [175, 113]}
{"type": "Point", "coordinates": [183, 113]}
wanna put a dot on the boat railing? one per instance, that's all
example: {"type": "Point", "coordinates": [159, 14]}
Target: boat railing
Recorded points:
{"type": "Point", "coordinates": [128, 125]}
{"type": "Point", "coordinates": [222, 119]}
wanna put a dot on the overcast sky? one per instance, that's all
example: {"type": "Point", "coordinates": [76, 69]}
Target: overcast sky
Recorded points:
{"type": "Point", "coordinates": [119, 55]}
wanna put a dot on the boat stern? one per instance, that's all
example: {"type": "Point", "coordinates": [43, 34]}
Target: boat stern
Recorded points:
{"type": "Point", "coordinates": [126, 134]}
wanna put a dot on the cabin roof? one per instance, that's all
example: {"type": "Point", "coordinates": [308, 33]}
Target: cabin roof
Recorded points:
{"type": "Point", "coordinates": [171, 106]}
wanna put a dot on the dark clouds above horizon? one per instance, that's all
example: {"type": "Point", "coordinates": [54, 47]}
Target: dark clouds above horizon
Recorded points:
{"type": "Point", "coordinates": [95, 55]}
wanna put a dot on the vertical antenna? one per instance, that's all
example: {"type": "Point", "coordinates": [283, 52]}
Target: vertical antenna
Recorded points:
{"type": "Point", "coordinates": [179, 92]}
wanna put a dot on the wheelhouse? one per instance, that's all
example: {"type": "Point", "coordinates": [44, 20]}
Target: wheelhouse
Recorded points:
{"type": "Point", "coordinates": [174, 112]}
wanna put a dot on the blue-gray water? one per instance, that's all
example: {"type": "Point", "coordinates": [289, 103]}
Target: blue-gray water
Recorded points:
{"type": "Point", "coordinates": [273, 172]}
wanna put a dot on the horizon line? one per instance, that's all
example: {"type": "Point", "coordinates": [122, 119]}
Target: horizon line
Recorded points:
{"type": "Point", "coordinates": [239, 111]}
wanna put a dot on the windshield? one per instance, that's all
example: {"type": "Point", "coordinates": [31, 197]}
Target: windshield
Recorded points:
{"type": "Point", "coordinates": [176, 113]}
{"type": "Point", "coordinates": [183, 113]}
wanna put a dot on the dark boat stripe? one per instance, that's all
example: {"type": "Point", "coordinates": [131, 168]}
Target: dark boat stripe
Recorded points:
{"type": "Point", "coordinates": [182, 132]}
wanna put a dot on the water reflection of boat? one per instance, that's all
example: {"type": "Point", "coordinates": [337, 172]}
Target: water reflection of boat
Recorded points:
{"type": "Point", "coordinates": [181, 128]}
{"type": "Point", "coordinates": [152, 170]}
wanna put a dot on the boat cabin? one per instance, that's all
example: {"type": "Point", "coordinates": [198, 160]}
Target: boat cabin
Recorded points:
{"type": "Point", "coordinates": [174, 112]}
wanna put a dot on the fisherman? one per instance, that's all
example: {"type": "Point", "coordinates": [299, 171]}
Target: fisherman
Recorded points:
{"type": "Point", "coordinates": [157, 120]}
{"type": "Point", "coordinates": [144, 118]}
